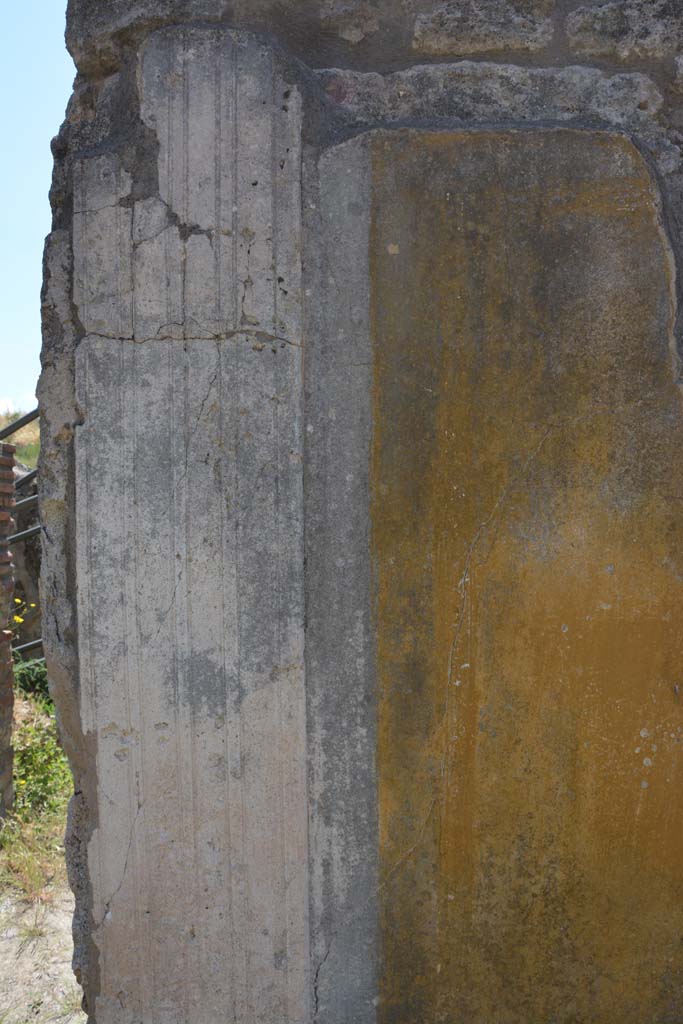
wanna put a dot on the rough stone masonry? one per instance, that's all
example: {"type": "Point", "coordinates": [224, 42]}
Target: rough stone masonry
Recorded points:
{"type": "Point", "coordinates": [362, 493]}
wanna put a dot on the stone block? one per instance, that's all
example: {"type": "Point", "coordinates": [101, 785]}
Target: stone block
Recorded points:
{"type": "Point", "coordinates": [470, 91]}
{"type": "Point", "coordinates": [351, 20]}
{"type": "Point", "coordinates": [452, 28]}
{"type": "Point", "coordinates": [634, 29]}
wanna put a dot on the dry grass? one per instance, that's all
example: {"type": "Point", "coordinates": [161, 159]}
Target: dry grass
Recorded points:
{"type": "Point", "coordinates": [32, 857]}
{"type": "Point", "coordinates": [36, 906]}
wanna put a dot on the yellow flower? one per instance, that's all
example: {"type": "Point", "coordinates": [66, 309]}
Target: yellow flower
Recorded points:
{"type": "Point", "coordinates": [17, 600]}
{"type": "Point", "coordinates": [32, 604]}
{"type": "Point", "coordinates": [18, 618]}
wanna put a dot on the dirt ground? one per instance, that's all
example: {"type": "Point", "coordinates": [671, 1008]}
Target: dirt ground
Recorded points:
{"type": "Point", "coordinates": [36, 981]}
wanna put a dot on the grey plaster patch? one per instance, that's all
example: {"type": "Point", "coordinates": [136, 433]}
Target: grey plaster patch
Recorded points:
{"type": "Point", "coordinates": [189, 719]}
{"type": "Point", "coordinates": [339, 645]}
{"type": "Point", "coordinates": [454, 28]}
{"type": "Point", "coordinates": [103, 279]}
{"type": "Point", "coordinates": [226, 256]}
{"type": "Point", "coordinates": [200, 263]}
{"type": "Point", "coordinates": [191, 663]}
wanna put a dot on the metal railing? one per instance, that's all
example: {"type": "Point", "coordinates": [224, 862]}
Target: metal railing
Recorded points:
{"type": "Point", "coordinates": [24, 535]}
{"type": "Point", "coordinates": [26, 503]}
{"type": "Point", "coordinates": [23, 506]}
{"type": "Point", "coordinates": [15, 425]}
{"type": "Point", "coordinates": [32, 645]}
{"type": "Point", "coordinates": [26, 479]}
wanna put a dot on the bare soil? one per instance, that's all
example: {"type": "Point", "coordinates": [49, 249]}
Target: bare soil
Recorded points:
{"type": "Point", "coordinates": [36, 981]}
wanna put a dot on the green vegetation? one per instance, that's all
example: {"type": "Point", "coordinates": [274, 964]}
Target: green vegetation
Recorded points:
{"type": "Point", "coordinates": [27, 439]}
{"type": "Point", "coordinates": [31, 838]}
{"type": "Point", "coordinates": [41, 773]}
{"type": "Point", "coordinates": [30, 680]}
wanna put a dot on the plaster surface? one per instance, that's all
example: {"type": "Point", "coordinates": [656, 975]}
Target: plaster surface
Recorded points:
{"type": "Point", "coordinates": [526, 527]}
{"type": "Point", "coordinates": [188, 475]}
{"type": "Point", "coordinates": [360, 367]}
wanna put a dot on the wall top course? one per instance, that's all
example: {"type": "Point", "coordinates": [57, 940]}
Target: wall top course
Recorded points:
{"type": "Point", "coordinates": [393, 33]}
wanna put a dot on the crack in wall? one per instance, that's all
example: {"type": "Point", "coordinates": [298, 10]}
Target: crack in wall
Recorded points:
{"type": "Point", "coordinates": [108, 902]}
{"type": "Point", "coordinates": [316, 980]}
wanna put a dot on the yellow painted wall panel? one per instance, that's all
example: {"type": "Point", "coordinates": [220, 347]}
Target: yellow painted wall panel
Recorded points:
{"type": "Point", "coordinates": [527, 535]}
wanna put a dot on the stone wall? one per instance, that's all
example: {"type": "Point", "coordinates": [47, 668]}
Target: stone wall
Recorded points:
{"type": "Point", "coordinates": [6, 592]}
{"type": "Point", "coordinates": [360, 484]}
{"type": "Point", "coordinates": [382, 33]}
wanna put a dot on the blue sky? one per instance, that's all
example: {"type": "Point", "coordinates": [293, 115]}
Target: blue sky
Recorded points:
{"type": "Point", "coordinates": [36, 74]}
